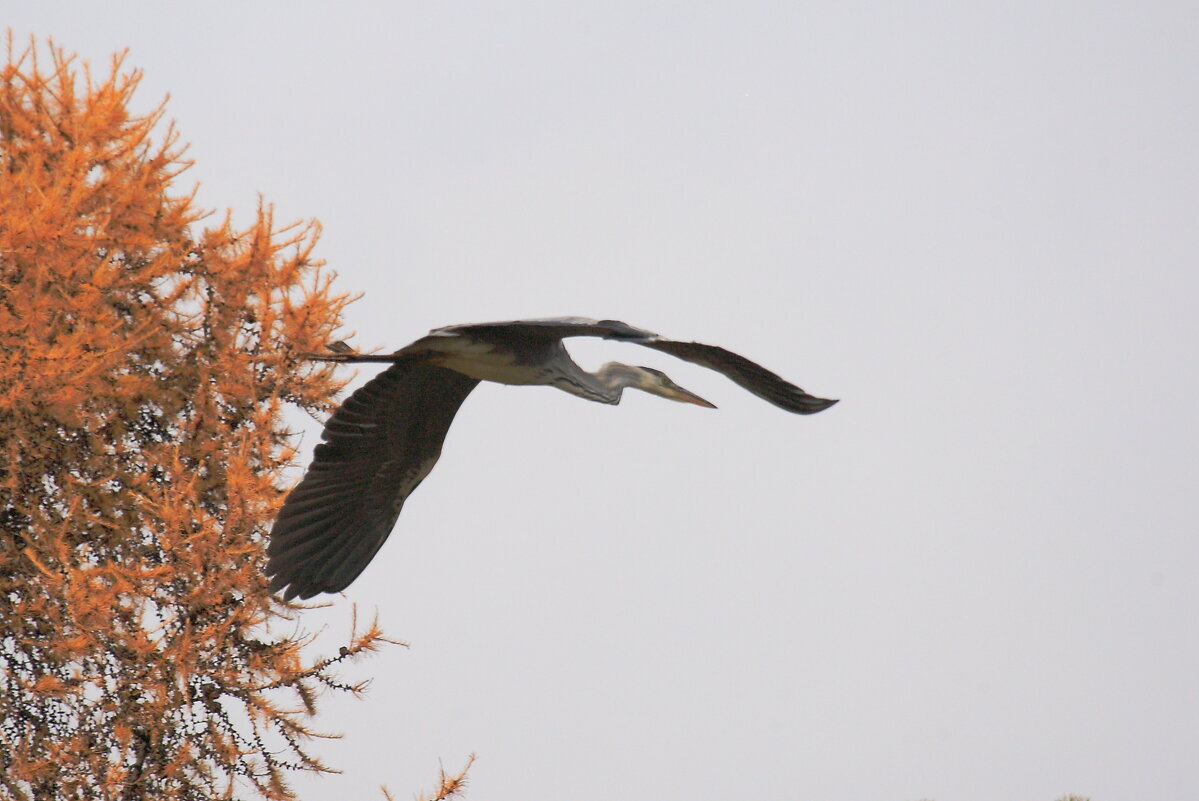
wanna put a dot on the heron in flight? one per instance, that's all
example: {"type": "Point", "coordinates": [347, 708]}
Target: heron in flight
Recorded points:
{"type": "Point", "coordinates": [382, 442]}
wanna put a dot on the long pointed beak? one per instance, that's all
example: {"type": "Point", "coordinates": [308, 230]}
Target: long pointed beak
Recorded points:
{"type": "Point", "coordinates": [687, 396]}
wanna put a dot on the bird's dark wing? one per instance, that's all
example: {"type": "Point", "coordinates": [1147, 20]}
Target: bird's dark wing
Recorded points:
{"type": "Point", "coordinates": [552, 328]}
{"type": "Point", "coordinates": [378, 446]}
{"type": "Point", "coordinates": [750, 375]}
{"type": "Point", "coordinates": [754, 377]}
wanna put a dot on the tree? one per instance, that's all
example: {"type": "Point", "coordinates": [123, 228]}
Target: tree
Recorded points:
{"type": "Point", "coordinates": [144, 374]}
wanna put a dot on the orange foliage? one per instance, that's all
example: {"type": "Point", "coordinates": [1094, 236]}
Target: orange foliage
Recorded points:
{"type": "Point", "coordinates": [144, 372]}
{"type": "Point", "coordinates": [449, 785]}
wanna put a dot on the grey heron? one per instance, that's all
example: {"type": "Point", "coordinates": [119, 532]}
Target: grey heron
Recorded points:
{"type": "Point", "coordinates": [385, 438]}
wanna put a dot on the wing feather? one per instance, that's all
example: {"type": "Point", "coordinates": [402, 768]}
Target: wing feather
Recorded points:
{"type": "Point", "coordinates": [377, 447]}
{"type": "Point", "coordinates": [553, 328]}
{"type": "Point", "coordinates": [750, 375]}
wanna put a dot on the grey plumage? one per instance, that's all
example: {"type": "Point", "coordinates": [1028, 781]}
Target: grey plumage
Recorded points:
{"type": "Point", "coordinates": [385, 438]}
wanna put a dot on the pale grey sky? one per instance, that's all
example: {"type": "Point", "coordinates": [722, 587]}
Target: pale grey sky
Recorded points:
{"type": "Point", "coordinates": [973, 580]}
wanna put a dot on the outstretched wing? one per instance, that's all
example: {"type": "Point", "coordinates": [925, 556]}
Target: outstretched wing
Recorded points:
{"type": "Point", "coordinates": [552, 328]}
{"type": "Point", "coordinates": [377, 447]}
{"type": "Point", "coordinates": [750, 375]}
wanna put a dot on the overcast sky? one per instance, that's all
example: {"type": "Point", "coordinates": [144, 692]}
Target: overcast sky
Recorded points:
{"type": "Point", "coordinates": [975, 579]}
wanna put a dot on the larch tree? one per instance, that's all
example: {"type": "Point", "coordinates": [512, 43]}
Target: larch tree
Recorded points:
{"type": "Point", "coordinates": [145, 368]}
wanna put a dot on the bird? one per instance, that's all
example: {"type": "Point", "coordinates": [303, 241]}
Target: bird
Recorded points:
{"type": "Point", "coordinates": [382, 442]}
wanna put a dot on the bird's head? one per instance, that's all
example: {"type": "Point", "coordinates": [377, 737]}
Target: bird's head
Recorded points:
{"type": "Point", "coordinates": [656, 382]}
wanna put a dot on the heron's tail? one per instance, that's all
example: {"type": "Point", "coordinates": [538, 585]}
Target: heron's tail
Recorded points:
{"type": "Point", "coordinates": [343, 353]}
